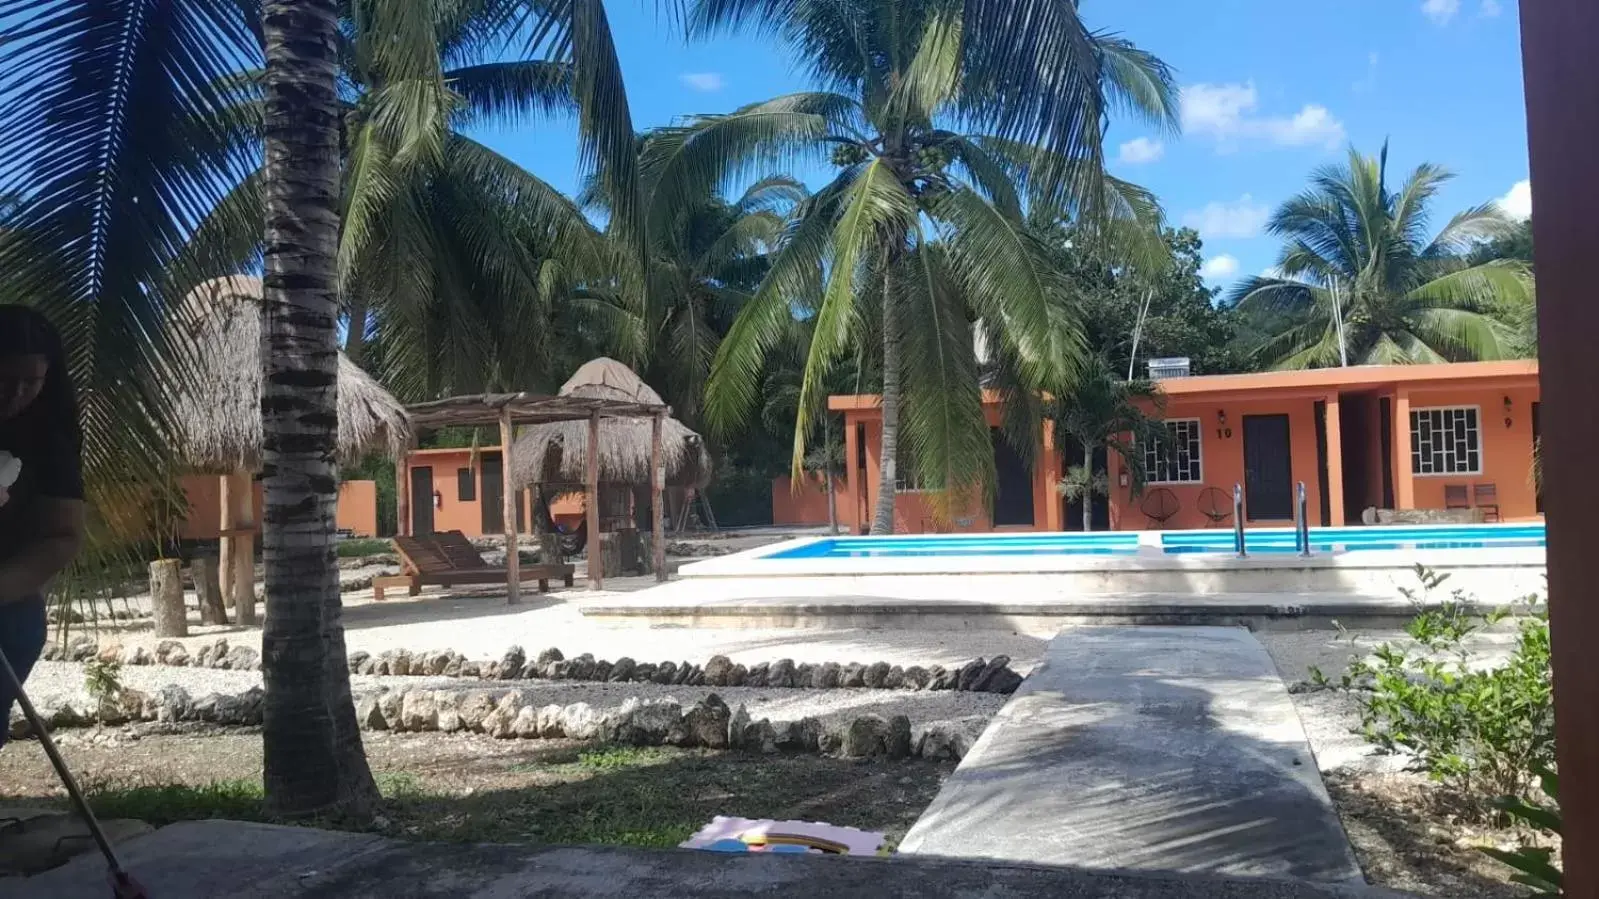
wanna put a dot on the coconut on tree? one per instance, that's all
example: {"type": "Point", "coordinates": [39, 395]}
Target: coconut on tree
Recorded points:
{"type": "Point", "coordinates": [1362, 278]}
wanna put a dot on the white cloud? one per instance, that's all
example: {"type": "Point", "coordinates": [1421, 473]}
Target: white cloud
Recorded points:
{"type": "Point", "coordinates": [1218, 267]}
{"type": "Point", "coordinates": [705, 82]}
{"type": "Point", "coordinates": [1140, 150]}
{"type": "Point", "coordinates": [1518, 202]}
{"type": "Point", "coordinates": [1440, 11]}
{"type": "Point", "coordinates": [1227, 114]}
{"type": "Point", "coordinates": [1241, 218]}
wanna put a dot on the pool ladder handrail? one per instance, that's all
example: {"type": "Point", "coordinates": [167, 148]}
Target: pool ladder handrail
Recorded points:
{"type": "Point", "coordinates": [1302, 522]}
{"type": "Point", "coordinates": [1238, 522]}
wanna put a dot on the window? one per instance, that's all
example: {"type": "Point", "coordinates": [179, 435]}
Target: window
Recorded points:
{"type": "Point", "coordinates": [465, 485]}
{"type": "Point", "coordinates": [1445, 440]}
{"type": "Point", "coordinates": [1177, 459]}
{"type": "Point", "coordinates": [906, 480]}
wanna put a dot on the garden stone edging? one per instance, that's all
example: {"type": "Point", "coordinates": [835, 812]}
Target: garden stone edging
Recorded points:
{"type": "Point", "coordinates": [979, 675]}
{"type": "Point", "coordinates": [707, 723]}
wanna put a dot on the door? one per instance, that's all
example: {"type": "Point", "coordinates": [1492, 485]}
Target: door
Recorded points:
{"type": "Point", "coordinates": [1268, 470]}
{"type": "Point", "coordinates": [491, 496]}
{"type": "Point", "coordinates": [1013, 483]}
{"type": "Point", "coordinates": [422, 499]}
{"type": "Point", "coordinates": [1321, 463]}
{"type": "Point", "coordinates": [1385, 415]}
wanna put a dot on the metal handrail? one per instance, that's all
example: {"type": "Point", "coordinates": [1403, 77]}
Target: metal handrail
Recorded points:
{"type": "Point", "coordinates": [1302, 525]}
{"type": "Point", "coordinates": [1238, 521]}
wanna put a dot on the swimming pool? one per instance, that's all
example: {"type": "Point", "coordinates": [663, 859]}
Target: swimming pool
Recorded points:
{"type": "Point", "coordinates": [1131, 543]}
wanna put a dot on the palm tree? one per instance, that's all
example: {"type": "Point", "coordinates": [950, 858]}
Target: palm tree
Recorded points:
{"type": "Point", "coordinates": [313, 761]}
{"type": "Point", "coordinates": [1102, 411]}
{"type": "Point", "coordinates": [1357, 261]}
{"type": "Point", "coordinates": [940, 115]}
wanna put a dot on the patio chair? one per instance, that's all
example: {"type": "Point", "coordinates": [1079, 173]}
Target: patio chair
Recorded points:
{"type": "Point", "coordinates": [1486, 498]}
{"type": "Point", "coordinates": [447, 559]}
{"type": "Point", "coordinates": [1215, 505]}
{"type": "Point", "coordinates": [1456, 497]}
{"type": "Point", "coordinates": [1160, 505]}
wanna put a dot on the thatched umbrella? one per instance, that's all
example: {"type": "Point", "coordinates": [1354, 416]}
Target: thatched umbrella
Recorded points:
{"type": "Point", "coordinates": [219, 415]}
{"type": "Point", "coordinates": [557, 453]}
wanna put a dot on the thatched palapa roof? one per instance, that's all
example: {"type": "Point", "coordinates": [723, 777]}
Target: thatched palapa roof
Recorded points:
{"type": "Point", "coordinates": [557, 453]}
{"type": "Point", "coordinates": [220, 420]}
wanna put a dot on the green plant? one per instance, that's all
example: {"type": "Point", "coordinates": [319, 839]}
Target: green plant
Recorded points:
{"type": "Point", "coordinates": [1079, 483]}
{"type": "Point", "coordinates": [1482, 731]}
{"type": "Point", "coordinates": [102, 679]}
{"type": "Point", "coordinates": [1534, 865]}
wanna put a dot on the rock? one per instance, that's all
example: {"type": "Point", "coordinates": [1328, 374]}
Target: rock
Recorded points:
{"type": "Point", "coordinates": [762, 736]}
{"type": "Point", "coordinates": [172, 703]}
{"type": "Point", "coordinates": [135, 655]}
{"type": "Point", "coordinates": [916, 678]}
{"type": "Point", "coordinates": [808, 734]}
{"type": "Point", "coordinates": [500, 721]}
{"type": "Point", "coordinates": [219, 654]}
{"type": "Point", "coordinates": [556, 670]}
{"type": "Point", "coordinates": [826, 676]}
{"type": "Point", "coordinates": [865, 737]}
{"type": "Point", "coordinates": [718, 671]}
{"type": "Point", "coordinates": [737, 676]}
{"type": "Point", "coordinates": [804, 676]}
{"type": "Point", "coordinates": [785, 736]}
{"type": "Point", "coordinates": [550, 722]}
{"type": "Point", "coordinates": [526, 723]}
{"type": "Point", "coordinates": [243, 658]}
{"type": "Point", "coordinates": [448, 703]}
{"type": "Point", "coordinates": [969, 673]}
{"type": "Point", "coordinates": [581, 721]}
{"type": "Point", "coordinates": [401, 663]}
{"type": "Point", "coordinates": [530, 670]}
{"type": "Point", "coordinates": [706, 722]}
{"type": "Point", "coordinates": [898, 744]}
{"type": "Point", "coordinates": [473, 709]}
{"type": "Point", "coordinates": [602, 671]}
{"type": "Point", "coordinates": [65, 715]}
{"type": "Point", "coordinates": [391, 702]}
{"type": "Point", "coordinates": [453, 669]}
{"type": "Point", "coordinates": [685, 671]}
{"type": "Point", "coordinates": [666, 673]}
{"type": "Point", "coordinates": [109, 653]}
{"type": "Point", "coordinates": [133, 703]}
{"type": "Point", "coordinates": [945, 740]}
{"type": "Point", "coordinates": [757, 675]}
{"type": "Point", "coordinates": [894, 679]}
{"type": "Point", "coordinates": [984, 677]}
{"type": "Point", "coordinates": [385, 663]}
{"type": "Point", "coordinates": [368, 666]}
{"type": "Point", "coordinates": [355, 659]}
{"type": "Point", "coordinates": [651, 722]}
{"type": "Point", "coordinates": [876, 675]}
{"type": "Point", "coordinates": [471, 669]}
{"type": "Point", "coordinates": [854, 675]}
{"type": "Point", "coordinates": [511, 663]}
{"type": "Point", "coordinates": [781, 674]}
{"type": "Point", "coordinates": [227, 710]}
{"type": "Point", "coordinates": [622, 670]}
{"type": "Point", "coordinates": [437, 662]}
{"type": "Point", "coordinates": [736, 727]}
{"type": "Point", "coordinates": [828, 742]}
{"type": "Point", "coordinates": [1004, 681]}
{"type": "Point", "coordinates": [368, 715]}
{"type": "Point", "coordinates": [81, 648]}
{"type": "Point", "coordinates": [179, 658]}
{"type": "Point", "coordinates": [644, 673]}
{"type": "Point", "coordinates": [937, 678]}
{"type": "Point", "coordinates": [50, 653]}
{"type": "Point", "coordinates": [581, 668]}
{"type": "Point", "coordinates": [550, 655]}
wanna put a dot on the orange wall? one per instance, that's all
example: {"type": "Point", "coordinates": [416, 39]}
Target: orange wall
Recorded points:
{"type": "Point", "coordinates": [807, 505]}
{"type": "Point", "coordinates": [357, 509]}
{"type": "Point", "coordinates": [1222, 460]}
{"type": "Point", "coordinates": [451, 513]}
{"type": "Point", "coordinates": [1506, 451]}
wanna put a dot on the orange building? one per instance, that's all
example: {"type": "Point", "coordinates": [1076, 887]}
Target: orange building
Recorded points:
{"type": "Point", "coordinates": [357, 511]}
{"type": "Point", "coordinates": [461, 489]}
{"type": "Point", "coordinates": [1386, 437]}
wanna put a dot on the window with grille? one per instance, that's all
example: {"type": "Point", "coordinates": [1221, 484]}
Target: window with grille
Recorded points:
{"type": "Point", "coordinates": [1445, 440]}
{"type": "Point", "coordinates": [465, 485]}
{"type": "Point", "coordinates": [1176, 459]}
{"type": "Point", "coordinates": [906, 479]}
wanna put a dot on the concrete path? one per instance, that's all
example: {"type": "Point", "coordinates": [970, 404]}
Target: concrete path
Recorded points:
{"type": "Point", "coordinates": [205, 859]}
{"type": "Point", "coordinates": [1147, 748]}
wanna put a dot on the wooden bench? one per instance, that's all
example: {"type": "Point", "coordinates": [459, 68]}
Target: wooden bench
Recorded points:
{"type": "Point", "coordinates": [448, 559]}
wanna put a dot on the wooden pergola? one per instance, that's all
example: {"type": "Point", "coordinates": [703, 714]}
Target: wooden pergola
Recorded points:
{"type": "Point", "coordinates": [508, 410]}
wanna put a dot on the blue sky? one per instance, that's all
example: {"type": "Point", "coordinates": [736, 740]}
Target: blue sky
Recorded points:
{"type": "Point", "coordinates": [1272, 89]}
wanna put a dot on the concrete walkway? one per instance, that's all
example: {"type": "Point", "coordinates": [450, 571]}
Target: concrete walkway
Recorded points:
{"type": "Point", "coordinates": [206, 859]}
{"type": "Point", "coordinates": [1170, 749]}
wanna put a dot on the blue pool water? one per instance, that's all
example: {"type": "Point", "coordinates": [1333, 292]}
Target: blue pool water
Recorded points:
{"type": "Point", "coordinates": [1263, 540]}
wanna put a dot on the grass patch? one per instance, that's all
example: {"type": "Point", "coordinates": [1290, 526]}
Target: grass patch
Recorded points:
{"type": "Point", "coordinates": [362, 547]}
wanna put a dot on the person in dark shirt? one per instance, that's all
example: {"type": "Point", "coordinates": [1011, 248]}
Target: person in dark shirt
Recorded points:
{"type": "Point", "coordinates": [42, 513]}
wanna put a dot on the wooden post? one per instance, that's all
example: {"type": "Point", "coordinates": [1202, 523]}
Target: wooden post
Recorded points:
{"type": "Point", "coordinates": [1335, 462]}
{"type": "Point", "coordinates": [513, 556]}
{"type": "Point", "coordinates": [238, 536]}
{"type": "Point", "coordinates": [166, 598]}
{"type": "Point", "coordinates": [225, 541]}
{"type": "Point", "coordinates": [1404, 474]}
{"type": "Point", "coordinates": [1559, 42]}
{"type": "Point", "coordinates": [592, 482]}
{"type": "Point", "coordinates": [402, 495]}
{"type": "Point", "coordinates": [657, 487]}
{"type": "Point", "coordinates": [208, 589]}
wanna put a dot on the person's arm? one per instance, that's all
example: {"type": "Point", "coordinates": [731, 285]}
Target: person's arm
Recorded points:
{"type": "Point", "coordinates": [55, 535]}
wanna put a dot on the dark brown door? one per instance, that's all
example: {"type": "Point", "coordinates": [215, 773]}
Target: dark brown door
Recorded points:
{"type": "Point", "coordinates": [1268, 471]}
{"type": "Point", "coordinates": [491, 493]}
{"type": "Point", "coordinates": [1013, 483]}
{"type": "Point", "coordinates": [422, 499]}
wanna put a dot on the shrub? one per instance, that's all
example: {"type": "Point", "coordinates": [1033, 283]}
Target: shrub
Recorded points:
{"type": "Point", "coordinates": [1534, 865]}
{"type": "Point", "coordinates": [1483, 732]}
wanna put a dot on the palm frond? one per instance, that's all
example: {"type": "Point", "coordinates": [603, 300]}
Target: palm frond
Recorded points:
{"type": "Point", "coordinates": [511, 93]}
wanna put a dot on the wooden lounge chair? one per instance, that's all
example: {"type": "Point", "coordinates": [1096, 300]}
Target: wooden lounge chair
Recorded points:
{"type": "Point", "coordinates": [1486, 498]}
{"type": "Point", "coordinates": [1456, 497]}
{"type": "Point", "coordinates": [448, 559]}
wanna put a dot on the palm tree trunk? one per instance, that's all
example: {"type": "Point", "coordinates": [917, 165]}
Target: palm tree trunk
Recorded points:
{"type": "Point", "coordinates": [312, 755]}
{"type": "Point", "coordinates": [887, 477]}
{"type": "Point", "coordinates": [1088, 489]}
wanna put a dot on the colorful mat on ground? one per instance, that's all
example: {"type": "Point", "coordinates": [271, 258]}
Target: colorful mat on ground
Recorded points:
{"type": "Point", "coordinates": [746, 835]}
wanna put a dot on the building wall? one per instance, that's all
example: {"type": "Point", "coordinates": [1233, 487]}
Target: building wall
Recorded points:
{"type": "Point", "coordinates": [1222, 460]}
{"type": "Point", "coordinates": [808, 504]}
{"type": "Point", "coordinates": [357, 507]}
{"type": "Point", "coordinates": [452, 513]}
{"type": "Point", "coordinates": [913, 511]}
{"type": "Point", "coordinates": [1506, 449]}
